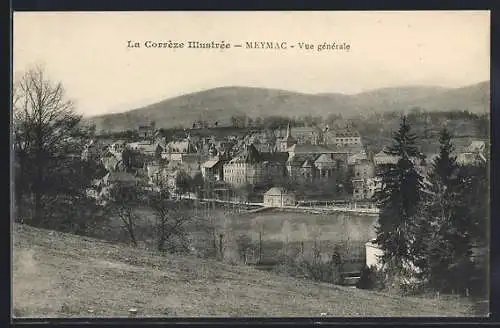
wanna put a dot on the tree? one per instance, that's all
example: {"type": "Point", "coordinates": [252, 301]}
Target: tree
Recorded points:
{"type": "Point", "coordinates": [245, 246]}
{"type": "Point", "coordinates": [445, 165]}
{"type": "Point", "coordinates": [183, 182]}
{"type": "Point", "coordinates": [170, 221]}
{"type": "Point", "coordinates": [472, 222]}
{"type": "Point", "coordinates": [398, 200]}
{"type": "Point", "coordinates": [197, 182]}
{"type": "Point", "coordinates": [366, 279]}
{"type": "Point", "coordinates": [445, 244]}
{"type": "Point", "coordinates": [43, 121]}
{"type": "Point", "coordinates": [124, 199]}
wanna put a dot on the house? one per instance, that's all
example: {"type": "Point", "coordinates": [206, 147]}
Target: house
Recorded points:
{"type": "Point", "coordinates": [373, 254]}
{"type": "Point", "coordinates": [477, 146]}
{"type": "Point", "coordinates": [301, 135]}
{"type": "Point", "coordinates": [91, 151]}
{"type": "Point", "coordinates": [245, 168]}
{"type": "Point", "coordinates": [178, 150]}
{"type": "Point", "coordinates": [146, 131]}
{"type": "Point", "coordinates": [279, 197]}
{"type": "Point", "coordinates": [153, 169]}
{"type": "Point", "coordinates": [250, 166]}
{"type": "Point", "coordinates": [470, 158]}
{"type": "Point", "coordinates": [300, 168]}
{"type": "Point", "coordinates": [356, 156]}
{"type": "Point", "coordinates": [341, 138]}
{"type": "Point", "coordinates": [325, 160]}
{"type": "Point", "coordinates": [364, 169]}
{"type": "Point", "coordinates": [147, 148]}
{"type": "Point", "coordinates": [213, 169]}
{"type": "Point", "coordinates": [383, 158]}
{"type": "Point", "coordinates": [473, 154]}
{"type": "Point", "coordinates": [118, 146]}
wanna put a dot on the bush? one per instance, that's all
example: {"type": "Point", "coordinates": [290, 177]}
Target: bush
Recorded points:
{"type": "Point", "coordinates": [318, 271]}
{"type": "Point", "coordinates": [371, 278]}
{"type": "Point", "coordinates": [367, 278]}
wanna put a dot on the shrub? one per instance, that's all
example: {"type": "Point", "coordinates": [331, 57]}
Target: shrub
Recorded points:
{"type": "Point", "coordinates": [367, 278]}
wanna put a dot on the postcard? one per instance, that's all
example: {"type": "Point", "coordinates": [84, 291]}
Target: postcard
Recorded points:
{"type": "Point", "coordinates": [250, 164]}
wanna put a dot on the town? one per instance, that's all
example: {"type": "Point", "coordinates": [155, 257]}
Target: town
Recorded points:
{"type": "Point", "coordinates": [288, 166]}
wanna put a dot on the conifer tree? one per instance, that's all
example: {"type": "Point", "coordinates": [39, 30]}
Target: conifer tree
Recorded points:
{"type": "Point", "coordinates": [398, 200]}
{"type": "Point", "coordinates": [445, 165]}
{"type": "Point", "coordinates": [445, 246]}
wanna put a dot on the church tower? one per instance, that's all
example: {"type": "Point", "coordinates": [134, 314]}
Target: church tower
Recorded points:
{"type": "Point", "coordinates": [288, 140]}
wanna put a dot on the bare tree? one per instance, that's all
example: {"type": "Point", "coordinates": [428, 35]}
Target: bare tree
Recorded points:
{"type": "Point", "coordinates": [124, 200]}
{"type": "Point", "coordinates": [170, 219]}
{"type": "Point", "coordinates": [42, 120]}
{"type": "Point", "coordinates": [245, 247]}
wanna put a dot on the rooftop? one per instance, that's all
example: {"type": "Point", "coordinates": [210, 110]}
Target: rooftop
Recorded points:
{"type": "Point", "coordinates": [248, 155]}
{"type": "Point", "coordinates": [277, 191]}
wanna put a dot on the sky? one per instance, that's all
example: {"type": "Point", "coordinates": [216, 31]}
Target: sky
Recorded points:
{"type": "Point", "coordinates": [87, 52]}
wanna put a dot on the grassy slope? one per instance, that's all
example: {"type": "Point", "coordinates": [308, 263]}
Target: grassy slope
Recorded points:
{"type": "Point", "coordinates": [57, 274]}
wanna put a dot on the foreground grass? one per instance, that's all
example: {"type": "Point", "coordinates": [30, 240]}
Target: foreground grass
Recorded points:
{"type": "Point", "coordinates": [61, 275]}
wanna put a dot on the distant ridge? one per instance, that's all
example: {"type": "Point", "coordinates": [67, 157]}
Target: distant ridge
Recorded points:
{"type": "Point", "coordinates": [219, 104]}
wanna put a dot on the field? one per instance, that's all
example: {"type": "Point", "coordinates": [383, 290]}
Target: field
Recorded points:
{"type": "Point", "coordinates": [61, 275]}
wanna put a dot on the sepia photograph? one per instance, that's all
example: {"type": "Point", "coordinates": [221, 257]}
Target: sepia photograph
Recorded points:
{"type": "Point", "coordinates": [189, 164]}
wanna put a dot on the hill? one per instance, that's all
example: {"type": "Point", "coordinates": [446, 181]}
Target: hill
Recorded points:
{"type": "Point", "coordinates": [220, 104]}
{"type": "Point", "coordinates": [60, 275]}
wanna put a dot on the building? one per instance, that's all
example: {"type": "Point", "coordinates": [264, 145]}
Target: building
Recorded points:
{"type": "Point", "coordinates": [364, 189]}
{"type": "Point", "coordinates": [213, 169]}
{"type": "Point", "coordinates": [169, 178]}
{"type": "Point", "coordinates": [153, 170]}
{"type": "Point", "coordinates": [147, 148]}
{"type": "Point", "coordinates": [179, 150]}
{"type": "Point", "coordinates": [279, 197]}
{"type": "Point", "coordinates": [91, 151]}
{"type": "Point", "coordinates": [300, 168]}
{"type": "Point", "coordinates": [373, 254]}
{"type": "Point", "coordinates": [471, 158]}
{"type": "Point", "coordinates": [383, 158]}
{"type": "Point", "coordinates": [324, 159]}
{"type": "Point", "coordinates": [373, 259]}
{"type": "Point", "coordinates": [250, 166]}
{"type": "Point", "coordinates": [117, 147]}
{"type": "Point", "coordinates": [473, 154]}
{"type": "Point", "coordinates": [363, 169]}
{"type": "Point", "coordinates": [301, 135]}
{"type": "Point", "coordinates": [282, 144]}
{"type": "Point", "coordinates": [325, 173]}
{"type": "Point", "coordinates": [357, 156]}
{"type": "Point", "coordinates": [340, 138]}
{"type": "Point", "coordinates": [146, 131]}
{"type": "Point", "coordinates": [477, 146]}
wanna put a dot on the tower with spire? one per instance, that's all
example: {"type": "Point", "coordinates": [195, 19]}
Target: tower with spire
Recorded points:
{"type": "Point", "coordinates": [288, 140]}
